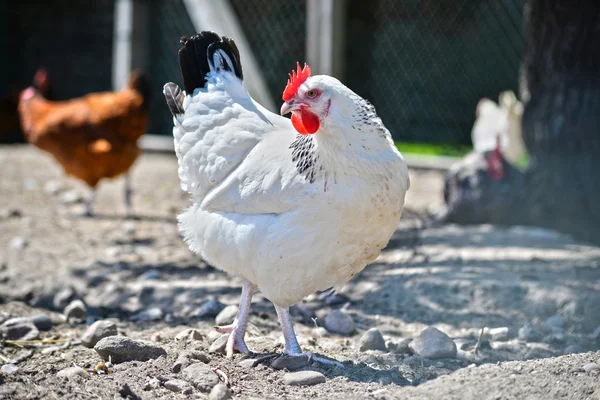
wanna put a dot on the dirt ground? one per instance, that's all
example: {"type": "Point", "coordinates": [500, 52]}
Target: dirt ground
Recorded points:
{"type": "Point", "coordinates": [451, 277]}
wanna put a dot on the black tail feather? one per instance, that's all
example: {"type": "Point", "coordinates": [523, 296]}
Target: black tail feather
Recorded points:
{"type": "Point", "coordinates": [174, 97]}
{"type": "Point", "coordinates": [195, 54]}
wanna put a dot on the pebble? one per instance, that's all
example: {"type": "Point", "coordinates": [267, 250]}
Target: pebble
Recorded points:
{"type": "Point", "coordinates": [128, 227]}
{"type": "Point", "coordinates": [212, 336]}
{"type": "Point", "coordinates": [304, 378]}
{"type": "Point", "coordinates": [9, 369]}
{"type": "Point", "coordinates": [339, 322]}
{"type": "Point", "coordinates": [290, 363]}
{"type": "Point", "coordinates": [189, 335]}
{"type": "Point", "coordinates": [220, 392]}
{"type": "Point", "coordinates": [12, 212]}
{"type": "Point", "coordinates": [227, 315]}
{"type": "Point", "coordinates": [529, 334]}
{"type": "Point", "coordinates": [18, 243]}
{"type": "Point", "coordinates": [304, 311]}
{"type": "Point", "coordinates": [210, 309]}
{"type": "Point", "coordinates": [75, 310]}
{"type": "Point", "coordinates": [63, 297]}
{"type": "Point", "coordinates": [72, 372]}
{"type": "Point", "coordinates": [574, 349]}
{"type": "Point", "coordinates": [557, 322]}
{"type": "Point", "coordinates": [201, 376]}
{"type": "Point", "coordinates": [42, 322]}
{"type": "Point", "coordinates": [497, 334]}
{"type": "Point", "coordinates": [372, 340]}
{"type": "Point", "coordinates": [218, 346]}
{"type": "Point", "coordinates": [71, 197]}
{"type": "Point", "coordinates": [150, 314]}
{"type": "Point", "coordinates": [179, 386]}
{"type": "Point", "coordinates": [97, 331]}
{"type": "Point", "coordinates": [19, 329]}
{"type": "Point", "coordinates": [185, 358]}
{"type": "Point", "coordinates": [400, 347]}
{"type": "Point", "coordinates": [333, 299]}
{"type": "Point", "coordinates": [248, 363]}
{"type": "Point", "coordinates": [52, 187]}
{"type": "Point", "coordinates": [433, 343]}
{"type": "Point", "coordinates": [151, 275]}
{"type": "Point", "coordinates": [122, 349]}
{"type": "Point", "coordinates": [590, 367]}
{"type": "Point", "coordinates": [152, 383]}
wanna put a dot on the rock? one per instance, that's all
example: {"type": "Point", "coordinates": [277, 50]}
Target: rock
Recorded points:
{"type": "Point", "coordinates": [128, 227]}
{"type": "Point", "coordinates": [72, 372]}
{"type": "Point", "coordinates": [304, 378]}
{"type": "Point", "coordinates": [497, 334]}
{"type": "Point", "coordinates": [42, 322]}
{"type": "Point", "coordinates": [179, 386]}
{"type": "Point", "coordinates": [574, 349]}
{"type": "Point", "coordinates": [290, 363]}
{"type": "Point", "coordinates": [152, 383]}
{"type": "Point", "coordinates": [372, 340]}
{"type": "Point", "coordinates": [303, 311]}
{"type": "Point", "coordinates": [97, 331]}
{"type": "Point", "coordinates": [76, 310]}
{"type": "Point", "coordinates": [557, 322]}
{"type": "Point", "coordinates": [151, 275]}
{"type": "Point", "coordinates": [186, 357]}
{"type": "Point", "coordinates": [63, 297]}
{"type": "Point", "coordinates": [249, 363]}
{"type": "Point", "coordinates": [210, 309]}
{"type": "Point", "coordinates": [590, 367]}
{"type": "Point", "coordinates": [71, 197]}
{"type": "Point", "coordinates": [339, 322]}
{"type": "Point", "coordinates": [400, 347]}
{"type": "Point", "coordinates": [227, 315]}
{"type": "Point", "coordinates": [333, 299]}
{"type": "Point", "coordinates": [9, 369]}
{"type": "Point", "coordinates": [212, 336]}
{"type": "Point", "coordinates": [189, 335]}
{"type": "Point", "coordinates": [19, 329]}
{"type": "Point", "coordinates": [11, 212]}
{"type": "Point", "coordinates": [218, 346]}
{"type": "Point", "coordinates": [122, 349]}
{"type": "Point", "coordinates": [432, 344]}
{"type": "Point", "coordinates": [150, 314]}
{"type": "Point", "coordinates": [220, 392]}
{"type": "Point", "coordinates": [529, 334]}
{"type": "Point", "coordinates": [18, 243]}
{"type": "Point", "coordinates": [201, 376]}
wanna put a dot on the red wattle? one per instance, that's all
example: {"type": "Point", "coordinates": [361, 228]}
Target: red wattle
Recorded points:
{"type": "Point", "coordinates": [305, 122]}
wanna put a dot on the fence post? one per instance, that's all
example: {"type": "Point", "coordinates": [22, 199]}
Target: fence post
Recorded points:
{"type": "Point", "coordinates": [325, 42]}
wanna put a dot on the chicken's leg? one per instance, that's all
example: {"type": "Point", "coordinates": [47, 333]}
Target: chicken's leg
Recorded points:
{"type": "Point", "coordinates": [238, 328]}
{"type": "Point", "coordinates": [292, 348]}
{"type": "Point", "coordinates": [89, 203]}
{"type": "Point", "coordinates": [128, 192]}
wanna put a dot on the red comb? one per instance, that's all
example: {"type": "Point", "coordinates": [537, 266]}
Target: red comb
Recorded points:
{"type": "Point", "coordinates": [297, 78]}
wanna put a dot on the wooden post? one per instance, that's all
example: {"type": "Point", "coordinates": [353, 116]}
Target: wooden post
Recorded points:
{"type": "Point", "coordinates": [325, 36]}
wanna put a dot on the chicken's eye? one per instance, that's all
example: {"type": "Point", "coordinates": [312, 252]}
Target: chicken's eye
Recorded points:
{"type": "Point", "coordinates": [312, 93]}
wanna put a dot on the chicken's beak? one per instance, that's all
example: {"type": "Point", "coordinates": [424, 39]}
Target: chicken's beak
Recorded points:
{"type": "Point", "coordinates": [285, 108]}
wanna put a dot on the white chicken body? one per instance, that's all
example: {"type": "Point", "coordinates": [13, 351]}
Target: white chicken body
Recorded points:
{"type": "Point", "coordinates": [256, 215]}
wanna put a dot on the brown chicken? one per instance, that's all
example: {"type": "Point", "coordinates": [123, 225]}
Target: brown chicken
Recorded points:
{"type": "Point", "coordinates": [92, 137]}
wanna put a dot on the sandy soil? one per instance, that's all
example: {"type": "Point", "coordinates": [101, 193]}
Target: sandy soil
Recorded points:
{"type": "Point", "coordinates": [454, 278]}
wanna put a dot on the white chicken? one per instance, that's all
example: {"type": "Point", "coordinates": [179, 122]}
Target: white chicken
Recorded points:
{"type": "Point", "coordinates": [292, 207]}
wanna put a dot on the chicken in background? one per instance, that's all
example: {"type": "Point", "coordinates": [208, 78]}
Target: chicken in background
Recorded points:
{"type": "Point", "coordinates": [497, 132]}
{"type": "Point", "coordinates": [291, 206]}
{"type": "Point", "coordinates": [92, 137]}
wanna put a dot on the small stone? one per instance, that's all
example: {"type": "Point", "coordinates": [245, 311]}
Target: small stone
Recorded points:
{"type": "Point", "coordinates": [97, 331]}
{"type": "Point", "coordinates": [122, 349]}
{"type": "Point", "coordinates": [304, 378]}
{"type": "Point", "coordinates": [574, 349]}
{"type": "Point", "coordinates": [19, 329]}
{"type": "Point", "coordinates": [227, 315]}
{"type": "Point", "coordinates": [210, 309]}
{"type": "Point", "coordinates": [186, 357]}
{"type": "Point", "coordinates": [220, 392]}
{"type": "Point", "coordinates": [72, 372]}
{"type": "Point", "coordinates": [42, 322]}
{"type": "Point", "coordinates": [152, 383]}
{"type": "Point", "coordinates": [63, 297]}
{"type": "Point", "coordinates": [18, 243]}
{"type": "Point", "coordinates": [433, 343]}
{"type": "Point", "coordinates": [151, 275]}
{"type": "Point", "coordinates": [212, 336]}
{"type": "Point", "coordinates": [372, 340]}
{"type": "Point", "coordinates": [400, 347]}
{"type": "Point", "coordinates": [71, 197]}
{"type": "Point", "coordinates": [76, 310]}
{"type": "Point", "coordinates": [9, 369]}
{"type": "Point", "coordinates": [12, 212]}
{"type": "Point", "coordinates": [333, 299]}
{"type": "Point", "coordinates": [339, 322]}
{"type": "Point", "coordinates": [189, 335]}
{"type": "Point", "coordinates": [529, 334]}
{"type": "Point", "coordinates": [52, 187]}
{"type": "Point", "coordinates": [179, 386]}
{"type": "Point", "coordinates": [498, 334]}
{"type": "Point", "coordinates": [128, 228]}
{"type": "Point", "coordinates": [150, 314]}
{"type": "Point", "coordinates": [557, 322]}
{"type": "Point", "coordinates": [590, 367]}
{"type": "Point", "coordinates": [248, 363]}
{"type": "Point", "coordinates": [291, 363]}
{"type": "Point", "coordinates": [218, 346]}
{"type": "Point", "coordinates": [201, 376]}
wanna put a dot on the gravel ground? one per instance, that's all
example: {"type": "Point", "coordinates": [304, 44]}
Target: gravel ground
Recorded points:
{"type": "Point", "coordinates": [536, 292]}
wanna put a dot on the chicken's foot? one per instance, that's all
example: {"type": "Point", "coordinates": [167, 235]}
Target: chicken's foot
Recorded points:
{"type": "Point", "coordinates": [238, 328]}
